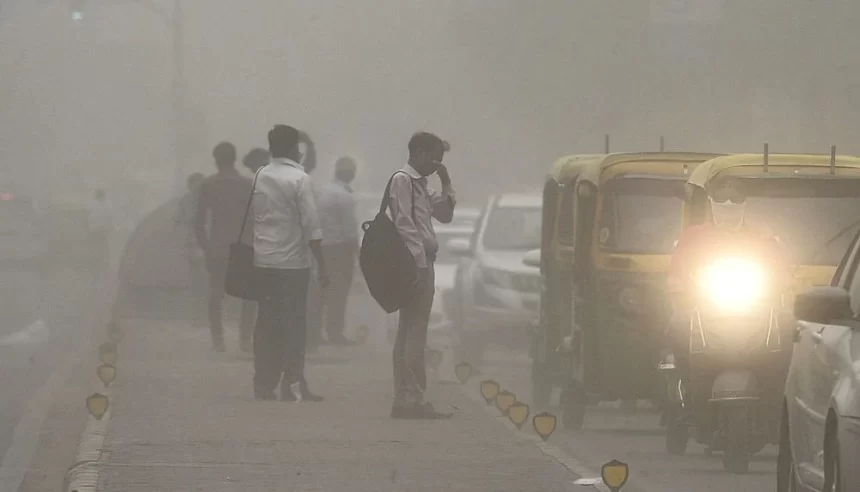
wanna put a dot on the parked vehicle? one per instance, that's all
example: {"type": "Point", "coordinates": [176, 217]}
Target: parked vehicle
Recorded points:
{"type": "Point", "coordinates": [495, 295]}
{"type": "Point", "coordinates": [820, 427]}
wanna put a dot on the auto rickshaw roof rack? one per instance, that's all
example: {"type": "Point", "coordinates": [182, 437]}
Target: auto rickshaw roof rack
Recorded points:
{"type": "Point", "coordinates": [769, 164]}
{"type": "Point", "coordinates": [832, 158]}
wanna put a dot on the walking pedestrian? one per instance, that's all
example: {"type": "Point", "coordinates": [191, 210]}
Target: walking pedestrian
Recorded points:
{"type": "Point", "coordinates": [412, 205]}
{"type": "Point", "coordinates": [186, 214]}
{"type": "Point", "coordinates": [286, 234]}
{"type": "Point", "coordinates": [340, 246]}
{"type": "Point", "coordinates": [220, 208]}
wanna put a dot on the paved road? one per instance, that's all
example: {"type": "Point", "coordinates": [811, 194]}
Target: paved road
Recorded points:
{"type": "Point", "coordinates": [45, 321]}
{"type": "Point", "coordinates": [635, 439]}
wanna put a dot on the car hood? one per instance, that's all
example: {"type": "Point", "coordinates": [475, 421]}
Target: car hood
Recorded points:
{"type": "Point", "coordinates": [507, 261]}
{"type": "Point", "coordinates": [445, 275]}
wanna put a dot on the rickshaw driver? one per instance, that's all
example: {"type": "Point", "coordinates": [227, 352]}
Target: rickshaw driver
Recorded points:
{"type": "Point", "coordinates": [728, 231]}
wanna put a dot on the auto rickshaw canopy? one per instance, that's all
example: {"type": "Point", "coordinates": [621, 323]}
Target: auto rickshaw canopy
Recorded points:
{"type": "Point", "coordinates": [752, 165]}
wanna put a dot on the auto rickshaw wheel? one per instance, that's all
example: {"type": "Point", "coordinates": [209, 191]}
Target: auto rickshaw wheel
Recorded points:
{"type": "Point", "coordinates": [677, 433]}
{"type": "Point", "coordinates": [736, 456]}
{"type": "Point", "coordinates": [541, 384]}
{"type": "Point", "coordinates": [573, 403]}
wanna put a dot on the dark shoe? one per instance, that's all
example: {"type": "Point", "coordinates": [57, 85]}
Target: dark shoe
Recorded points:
{"type": "Point", "coordinates": [429, 413]}
{"type": "Point", "coordinates": [308, 396]}
{"type": "Point", "coordinates": [401, 412]}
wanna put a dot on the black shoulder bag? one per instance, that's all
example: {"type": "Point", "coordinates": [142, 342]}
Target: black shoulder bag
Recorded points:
{"type": "Point", "coordinates": [241, 272]}
{"type": "Point", "coordinates": [387, 264]}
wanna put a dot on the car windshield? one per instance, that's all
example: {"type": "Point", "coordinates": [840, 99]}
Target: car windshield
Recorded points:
{"type": "Point", "coordinates": [513, 229]}
{"type": "Point", "coordinates": [814, 220]}
{"type": "Point", "coordinates": [642, 215]}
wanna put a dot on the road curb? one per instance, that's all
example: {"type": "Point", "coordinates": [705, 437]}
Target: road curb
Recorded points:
{"type": "Point", "coordinates": [564, 459]}
{"type": "Point", "coordinates": [83, 475]}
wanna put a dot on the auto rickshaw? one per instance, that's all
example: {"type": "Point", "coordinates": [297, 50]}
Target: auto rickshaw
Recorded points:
{"type": "Point", "coordinates": [609, 225]}
{"type": "Point", "coordinates": [740, 347]}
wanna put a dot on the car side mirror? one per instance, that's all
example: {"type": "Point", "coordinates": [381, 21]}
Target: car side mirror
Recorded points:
{"type": "Point", "coordinates": [532, 258]}
{"type": "Point", "coordinates": [823, 305]}
{"type": "Point", "coordinates": [459, 247]}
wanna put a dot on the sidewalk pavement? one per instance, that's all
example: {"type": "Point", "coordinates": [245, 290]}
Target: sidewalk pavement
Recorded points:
{"type": "Point", "coordinates": [184, 419]}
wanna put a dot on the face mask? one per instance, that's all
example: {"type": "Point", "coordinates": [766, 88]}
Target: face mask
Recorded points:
{"type": "Point", "coordinates": [727, 214]}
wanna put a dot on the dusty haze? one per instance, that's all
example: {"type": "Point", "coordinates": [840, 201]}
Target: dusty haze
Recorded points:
{"type": "Point", "coordinates": [511, 84]}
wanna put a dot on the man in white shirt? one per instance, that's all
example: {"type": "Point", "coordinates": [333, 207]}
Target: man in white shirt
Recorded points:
{"type": "Point", "coordinates": [340, 245]}
{"type": "Point", "coordinates": [412, 205]}
{"type": "Point", "coordinates": [286, 233]}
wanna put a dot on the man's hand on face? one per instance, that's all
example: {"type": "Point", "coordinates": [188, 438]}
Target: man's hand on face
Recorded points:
{"type": "Point", "coordinates": [442, 172]}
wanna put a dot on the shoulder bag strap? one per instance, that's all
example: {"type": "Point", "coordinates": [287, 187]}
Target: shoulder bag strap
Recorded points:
{"type": "Point", "coordinates": [248, 206]}
{"type": "Point", "coordinates": [386, 196]}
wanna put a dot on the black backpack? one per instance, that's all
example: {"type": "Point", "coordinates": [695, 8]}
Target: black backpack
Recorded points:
{"type": "Point", "coordinates": [386, 263]}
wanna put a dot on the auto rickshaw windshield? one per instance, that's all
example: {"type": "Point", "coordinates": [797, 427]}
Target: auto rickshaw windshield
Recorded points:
{"type": "Point", "coordinates": [814, 219]}
{"type": "Point", "coordinates": [641, 215]}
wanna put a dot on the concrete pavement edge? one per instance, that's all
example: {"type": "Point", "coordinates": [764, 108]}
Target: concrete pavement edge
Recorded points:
{"type": "Point", "coordinates": [570, 463]}
{"type": "Point", "coordinates": [83, 474]}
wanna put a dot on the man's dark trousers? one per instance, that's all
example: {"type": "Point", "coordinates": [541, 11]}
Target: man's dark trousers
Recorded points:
{"type": "Point", "coordinates": [281, 331]}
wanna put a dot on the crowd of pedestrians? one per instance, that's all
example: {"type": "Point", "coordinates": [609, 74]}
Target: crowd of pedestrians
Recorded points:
{"type": "Point", "coordinates": [305, 238]}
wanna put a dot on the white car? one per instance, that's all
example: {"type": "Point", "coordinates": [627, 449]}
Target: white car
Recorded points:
{"type": "Point", "coordinates": [497, 295]}
{"type": "Point", "coordinates": [820, 439]}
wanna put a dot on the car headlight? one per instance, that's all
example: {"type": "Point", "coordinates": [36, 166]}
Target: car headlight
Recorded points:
{"type": "Point", "coordinates": [498, 278]}
{"type": "Point", "coordinates": [733, 284]}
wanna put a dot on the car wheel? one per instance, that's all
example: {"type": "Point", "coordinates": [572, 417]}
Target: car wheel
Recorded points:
{"type": "Point", "coordinates": [832, 462]}
{"type": "Point", "coordinates": [786, 475]}
{"type": "Point", "coordinates": [736, 457]}
{"type": "Point", "coordinates": [573, 404]}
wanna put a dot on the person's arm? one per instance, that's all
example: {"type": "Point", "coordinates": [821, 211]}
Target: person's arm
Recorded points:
{"type": "Point", "coordinates": [200, 216]}
{"type": "Point", "coordinates": [443, 203]}
{"type": "Point", "coordinates": [400, 204]}
{"type": "Point", "coordinates": [311, 226]}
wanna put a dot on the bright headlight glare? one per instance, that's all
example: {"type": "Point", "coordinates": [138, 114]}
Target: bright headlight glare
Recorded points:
{"type": "Point", "coordinates": [733, 284]}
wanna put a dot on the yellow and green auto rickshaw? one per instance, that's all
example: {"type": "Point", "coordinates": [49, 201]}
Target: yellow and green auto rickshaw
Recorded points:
{"type": "Point", "coordinates": [740, 326]}
{"type": "Point", "coordinates": [610, 223]}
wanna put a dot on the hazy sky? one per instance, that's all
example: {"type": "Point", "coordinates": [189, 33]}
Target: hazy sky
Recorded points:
{"type": "Point", "coordinates": [511, 84]}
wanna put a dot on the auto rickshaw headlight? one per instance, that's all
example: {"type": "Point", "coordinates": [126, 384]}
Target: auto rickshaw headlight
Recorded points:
{"type": "Point", "coordinates": [733, 284]}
